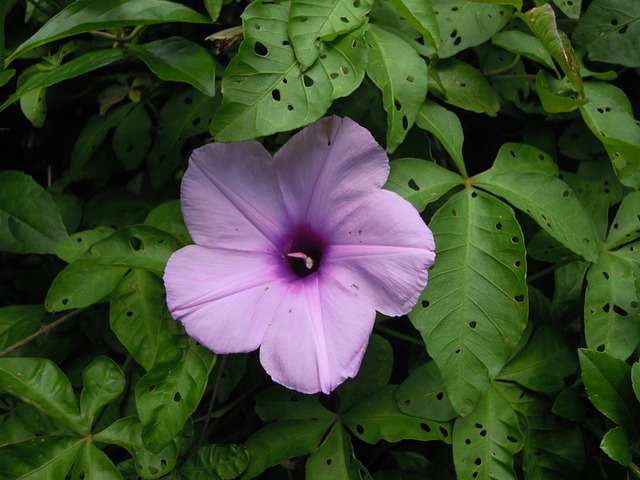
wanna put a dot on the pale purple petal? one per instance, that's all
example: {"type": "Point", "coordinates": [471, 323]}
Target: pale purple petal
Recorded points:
{"type": "Point", "coordinates": [384, 250]}
{"type": "Point", "coordinates": [327, 166]}
{"type": "Point", "coordinates": [230, 197]}
{"type": "Point", "coordinates": [319, 338]}
{"type": "Point", "coordinates": [225, 299]}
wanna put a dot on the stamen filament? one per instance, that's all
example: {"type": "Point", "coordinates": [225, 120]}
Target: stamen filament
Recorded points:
{"type": "Point", "coordinates": [308, 261]}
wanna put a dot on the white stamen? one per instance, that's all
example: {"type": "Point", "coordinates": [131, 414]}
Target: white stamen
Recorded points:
{"type": "Point", "coordinates": [308, 261]}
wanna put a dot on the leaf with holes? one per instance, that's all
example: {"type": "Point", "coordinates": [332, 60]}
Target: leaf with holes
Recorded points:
{"type": "Point", "coordinates": [34, 106]}
{"type": "Point", "coordinates": [18, 322]}
{"type": "Point", "coordinates": [168, 217]}
{"type": "Point", "coordinates": [39, 382]}
{"type": "Point", "coordinates": [615, 444]}
{"type": "Point", "coordinates": [475, 309]}
{"type": "Point", "coordinates": [571, 8]}
{"type": "Point", "coordinates": [543, 363]}
{"type": "Point", "coordinates": [465, 87]}
{"type": "Point", "coordinates": [522, 176]}
{"type": "Point", "coordinates": [420, 181]}
{"type": "Point", "coordinates": [555, 95]}
{"type": "Point", "coordinates": [401, 75]}
{"type": "Point", "coordinates": [335, 459]}
{"type": "Point", "coordinates": [568, 280]}
{"type": "Point", "coordinates": [265, 88]}
{"type": "Point", "coordinates": [542, 22]}
{"type": "Point", "coordinates": [176, 59]}
{"type": "Point", "coordinates": [421, 16]}
{"type": "Point", "coordinates": [29, 219]}
{"type": "Point", "coordinates": [608, 383]}
{"type": "Point", "coordinates": [93, 463]}
{"type": "Point", "coordinates": [185, 115]}
{"type": "Point", "coordinates": [86, 15]}
{"type": "Point", "coordinates": [76, 245]}
{"type": "Point", "coordinates": [170, 392]}
{"type": "Point", "coordinates": [610, 117]}
{"type": "Point", "coordinates": [132, 138]}
{"type": "Point", "coordinates": [590, 193]}
{"type": "Point", "coordinates": [311, 22]}
{"type": "Point", "coordinates": [103, 382]}
{"type": "Point", "coordinates": [377, 417]}
{"type": "Point", "coordinates": [465, 24]}
{"type": "Point", "coordinates": [215, 462]}
{"type": "Point", "coordinates": [281, 441]}
{"type": "Point", "coordinates": [149, 463]}
{"type": "Point", "coordinates": [39, 457]}
{"type": "Point", "coordinates": [82, 283]}
{"type": "Point", "coordinates": [139, 318]}
{"type": "Point", "coordinates": [608, 32]}
{"type": "Point", "coordinates": [93, 135]}
{"type": "Point", "coordinates": [422, 394]}
{"type": "Point", "coordinates": [485, 441]}
{"type": "Point", "coordinates": [611, 306]}
{"type": "Point", "coordinates": [278, 403]}
{"type": "Point", "coordinates": [626, 224]}
{"type": "Point", "coordinates": [446, 127]}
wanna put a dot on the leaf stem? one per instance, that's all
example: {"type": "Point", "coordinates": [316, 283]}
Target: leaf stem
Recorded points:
{"type": "Point", "coordinates": [43, 331]}
{"type": "Point", "coordinates": [212, 402]}
{"type": "Point", "coordinates": [506, 68]}
{"type": "Point", "coordinates": [544, 272]}
{"type": "Point", "coordinates": [401, 336]}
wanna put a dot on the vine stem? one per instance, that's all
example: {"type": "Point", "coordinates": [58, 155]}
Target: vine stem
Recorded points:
{"type": "Point", "coordinates": [43, 331]}
{"type": "Point", "coordinates": [212, 402]}
{"type": "Point", "coordinates": [401, 336]}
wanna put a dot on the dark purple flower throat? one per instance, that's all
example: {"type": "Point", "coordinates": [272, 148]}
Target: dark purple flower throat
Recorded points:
{"type": "Point", "coordinates": [303, 251]}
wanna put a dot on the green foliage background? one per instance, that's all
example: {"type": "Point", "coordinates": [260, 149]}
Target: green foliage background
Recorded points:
{"type": "Point", "coordinates": [511, 125]}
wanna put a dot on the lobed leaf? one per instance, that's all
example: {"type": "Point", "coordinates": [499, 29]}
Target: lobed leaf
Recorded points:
{"type": "Point", "coordinates": [625, 227]}
{"type": "Point", "coordinates": [311, 22]}
{"type": "Point", "coordinates": [39, 457]}
{"type": "Point", "coordinates": [168, 217]}
{"type": "Point", "coordinates": [475, 309]}
{"type": "Point", "coordinates": [335, 459]}
{"type": "Point", "coordinates": [485, 441]}
{"type": "Point", "coordinates": [93, 464]}
{"type": "Point", "coordinates": [103, 382]}
{"type": "Point", "coordinates": [86, 15]}
{"type": "Point", "coordinates": [422, 394]}
{"type": "Point", "coordinates": [571, 8]}
{"type": "Point", "coordinates": [76, 245]}
{"type": "Point", "coordinates": [29, 219]}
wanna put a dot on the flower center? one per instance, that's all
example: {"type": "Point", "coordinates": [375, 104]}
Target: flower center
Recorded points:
{"type": "Point", "coordinates": [303, 253]}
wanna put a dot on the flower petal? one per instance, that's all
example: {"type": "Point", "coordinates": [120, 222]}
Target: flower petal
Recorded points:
{"type": "Point", "coordinates": [230, 197]}
{"type": "Point", "coordinates": [383, 249]}
{"type": "Point", "coordinates": [328, 165]}
{"type": "Point", "coordinates": [225, 299]}
{"type": "Point", "coordinates": [319, 336]}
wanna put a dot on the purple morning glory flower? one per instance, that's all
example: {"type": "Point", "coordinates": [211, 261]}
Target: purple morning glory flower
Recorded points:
{"type": "Point", "coordinates": [294, 254]}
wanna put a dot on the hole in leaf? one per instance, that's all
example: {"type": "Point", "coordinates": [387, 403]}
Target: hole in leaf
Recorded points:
{"type": "Point", "coordinates": [397, 104]}
{"type": "Point", "coordinates": [620, 311]}
{"type": "Point", "coordinates": [566, 193]}
{"type": "Point", "coordinates": [286, 43]}
{"type": "Point", "coordinates": [293, 397]}
{"type": "Point", "coordinates": [328, 461]}
{"type": "Point", "coordinates": [65, 301]}
{"type": "Point", "coordinates": [257, 26]}
{"type": "Point", "coordinates": [260, 49]}
{"type": "Point", "coordinates": [308, 81]}
{"type": "Point", "coordinates": [473, 324]}
{"type": "Point", "coordinates": [405, 123]}
{"type": "Point", "coordinates": [467, 441]}
{"type": "Point", "coordinates": [275, 94]}
{"type": "Point", "coordinates": [196, 121]}
{"type": "Point", "coordinates": [188, 100]}
{"type": "Point", "coordinates": [519, 298]}
{"type": "Point", "coordinates": [517, 264]}
{"type": "Point", "coordinates": [303, 19]}
{"type": "Point", "coordinates": [600, 348]}
{"type": "Point", "coordinates": [79, 239]}
{"type": "Point", "coordinates": [478, 461]}
{"type": "Point", "coordinates": [177, 397]}
{"type": "Point", "coordinates": [498, 226]}
{"type": "Point", "coordinates": [623, 30]}
{"type": "Point", "coordinates": [457, 42]}
{"type": "Point", "coordinates": [483, 433]}
{"type": "Point", "coordinates": [289, 107]}
{"type": "Point", "coordinates": [413, 185]}
{"type": "Point", "coordinates": [425, 427]}
{"type": "Point", "coordinates": [344, 19]}
{"type": "Point", "coordinates": [606, 307]}
{"type": "Point", "coordinates": [605, 275]}
{"type": "Point", "coordinates": [457, 351]}
{"type": "Point", "coordinates": [409, 79]}
{"type": "Point", "coordinates": [407, 402]}
{"type": "Point", "coordinates": [440, 395]}
{"type": "Point", "coordinates": [514, 239]}
{"type": "Point", "coordinates": [512, 439]}
{"type": "Point", "coordinates": [474, 194]}
{"type": "Point", "coordinates": [356, 4]}
{"type": "Point", "coordinates": [344, 70]}
{"type": "Point", "coordinates": [425, 303]}
{"type": "Point", "coordinates": [359, 429]}
{"type": "Point", "coordinates": [333, 75]}
{"type": "Point", "coordinates": [153, 470]}
{"type": "Point", "coordinates": [129, 313]}
{"type": "Point", "coordinates": [454, 212]}
{"type": "Point", "coordinates": [151, 388]}
{"type": "Point", "coordinates": [135, 243]}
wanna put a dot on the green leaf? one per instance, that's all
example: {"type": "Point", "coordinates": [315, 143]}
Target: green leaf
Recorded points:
{"type": "Point", "coordinates": [377, 417]}
{"type": "Point", "coordinates": [615, 444]}
{"type": "Point", "coordinates": [185, 115]}
{"type": "Point", "coordinates": [611, 307]}
{"type": "Point", "coordinates": [542, 22]}
{"type": "Point", "coordinates": [465, 87]}
{"type": "Point", "coordinates": [446, 127]}
{"type": "Point", "coordinates": [76, 245]}
{"type": "Point", "coordinates": [29, 218]}
{"type": "Point", "coordinates": [139, 318]}
{"type": "Point", "coordinates": [475, 309]}
{"type": "Point", "coordinates": [86, 15]}
{"type": "Point", "coordinates": [635, 379]}
{"type": "Point", "coordinates": [485, 441]}
{"type": "Point", "coordinates": [571, 8]}
{"type": "Point", "coordinates": [522, 43]}
{"type": "Point", "coordinates": [543, 363]}
{"type": "Point", "coordinates": [213, 8]}
{"type": "Point", "coordinates": [179, 60]}
{"type": "Point", "coordinates": [610, 117]}
{"type": "Point", "coordinates": [555, 95]}
{"type": "Point", "coordinates": [265, 88]}
{"type": "Point", "coordinates": [103, 382]}
{"type": "Point", "coordinates": [312, 22]}
{"type": "Point", "coordinates": [93, 464]}
{"type": "Point", "coordinates": [18, 322]}
{"type": "Point", "coordinates": [281, 441]}
{"type": "Point", "coordinates": [335, 459]}
{"type": "Point", "coordinates": [422, 394]}
{"type": "Point", "coordinates": [82, 283]}
{"type": "Point", "coordinates": [170, 392]}
{"type": "Point", "coordinates": [34, 106]}
{"type": "Point", "coordinates": [168, 217]}
{"type": "Point", "coordinates": [73, 68]}
{"type": "Point", "coordinates": [278, 403]}
{"type": "Point", "coordinates": [420, 181]}
{"type": "Point", "coordinates": [127, 433]}
{"type": "Point", "coordinates": [215, 462]}
{"type": "Point", "coordinates": [608, 383]}
{"type": "Point", "coordinates": [467, 24]}
{"type": "Point", "coordinates": [39, 382]}
{"type": "Point", "coordinates": [528, 184]}
{"type": "Point", "coordinates": [39, 458]}
{"type": "Point", "coordinates": [421, 16]}
{"type": "Point", "coordinates": [402, 77]}
{"type": "Point", "coordinates": [608, 32]}
{"type": "Point", "coordinates": [625, 227]}
{"type": "Point", "coordinates": [132, 138]}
